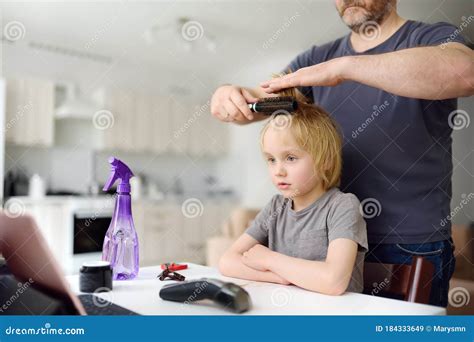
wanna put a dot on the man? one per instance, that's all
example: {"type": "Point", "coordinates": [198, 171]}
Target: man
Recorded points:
{"type": "Point", "coordinates": [392, 85]}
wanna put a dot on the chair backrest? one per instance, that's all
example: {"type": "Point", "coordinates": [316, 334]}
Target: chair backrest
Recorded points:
{"type": "Point", "coordinates": [238, 221]}
{"type": "Point", "coordinates": [410, 282]}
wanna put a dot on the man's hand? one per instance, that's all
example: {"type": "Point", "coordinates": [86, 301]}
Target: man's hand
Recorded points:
{"type": "Point", "coordinates": [330, 73]}
{"type": "Point", "coordinates": [257, 257]}
{"type": "Point", "coordinates": [230, 104]}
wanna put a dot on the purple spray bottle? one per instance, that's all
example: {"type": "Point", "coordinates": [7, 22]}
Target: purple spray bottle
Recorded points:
{"type": "Point", "coordinates": [121, 241]}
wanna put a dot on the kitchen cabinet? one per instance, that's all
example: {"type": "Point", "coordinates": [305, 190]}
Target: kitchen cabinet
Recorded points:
{"type": "Point", "coordinates": [142, 127]}
{"type": "Point", "coordinates": [160, 124]}
{"type": "Point", "coordinates": [118, 120]}
{"type": "Point", "coordinates": [127, 121]}
{"type": "Point", "coordinates": [29, 112]}
{"type": "Point", "coordinates": [206, 135]}
{"type": "Point", "coordinates": [54, 216]}
{"type": "Point", "coordinates": [160, 226]}
{"type": "Point", "coordinates": [193, 238]}
{"type": "Point", "coordinates": [216, 213]}
{"type": "Point", "coordinates": [54, 220]}
{"type": "Point", "coordinates": [168, 235]}
{"type": "Point", "coordinates": [179, 111]}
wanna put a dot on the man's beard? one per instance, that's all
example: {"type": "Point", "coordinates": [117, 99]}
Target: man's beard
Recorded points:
{"type": "Point", "coordinates": [376, 12]}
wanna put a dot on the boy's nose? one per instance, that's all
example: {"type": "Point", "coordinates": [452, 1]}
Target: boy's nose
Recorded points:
{"type": "Point", "coordinates": [280, 171]}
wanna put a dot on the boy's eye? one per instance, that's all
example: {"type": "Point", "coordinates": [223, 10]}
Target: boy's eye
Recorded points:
{"type": "Point", "coordinates": [291, 158]}
{"type": "Point", "coordinates": [271, 160]}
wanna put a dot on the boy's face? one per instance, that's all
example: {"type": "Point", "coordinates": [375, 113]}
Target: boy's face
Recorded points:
{"type": "Point", "coordinates": [291, 168]}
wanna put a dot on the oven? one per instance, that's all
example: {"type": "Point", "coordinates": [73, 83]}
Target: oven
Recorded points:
{"type": "Point", "coordinates": [89, 231]}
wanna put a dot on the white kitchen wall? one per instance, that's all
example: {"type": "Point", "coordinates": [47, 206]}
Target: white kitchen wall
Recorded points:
{"type": "Point", "coordinates": [61, 168]}
{"type": "Point", "coordinates": [166, 170]}
{"type": "Point", "coordinates": [74, 169]}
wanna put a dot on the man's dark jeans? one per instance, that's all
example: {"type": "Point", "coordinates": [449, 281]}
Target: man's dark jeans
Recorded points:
{"type": "Point", "coordinates": [440, 253]}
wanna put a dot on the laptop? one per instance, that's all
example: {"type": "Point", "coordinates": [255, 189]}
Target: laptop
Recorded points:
{"type": "Point", "coordinates": [45, 290]}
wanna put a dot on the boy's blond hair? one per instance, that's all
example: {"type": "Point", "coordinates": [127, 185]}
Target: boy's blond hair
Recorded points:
{"type": "Point", "coordinates": [316, 133]}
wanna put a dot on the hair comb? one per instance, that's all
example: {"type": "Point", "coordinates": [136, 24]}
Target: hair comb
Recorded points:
{"type": "Point", "coordinates": [270, 105]}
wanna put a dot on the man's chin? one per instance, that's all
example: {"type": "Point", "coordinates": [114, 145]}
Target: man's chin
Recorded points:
{"type": "Point", "coordinates": [355, 20]}
{"type": "Point", "coordinates": [356, 25]}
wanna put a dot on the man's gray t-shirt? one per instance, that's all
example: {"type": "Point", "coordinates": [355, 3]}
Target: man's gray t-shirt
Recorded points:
{"type": "Point", "coordinates": [306, 234]}
{"type": "Point", "coordinates": [397, 150]}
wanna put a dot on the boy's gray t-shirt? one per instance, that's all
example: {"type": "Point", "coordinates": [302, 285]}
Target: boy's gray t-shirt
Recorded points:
{"type": "Point", "coordinates": [306, 234]}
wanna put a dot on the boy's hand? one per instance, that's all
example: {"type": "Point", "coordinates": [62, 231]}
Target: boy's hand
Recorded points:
{"type": "Point", "coordinates": [257, 257]}
{"type": "Point", "coordinates": [281, 280]}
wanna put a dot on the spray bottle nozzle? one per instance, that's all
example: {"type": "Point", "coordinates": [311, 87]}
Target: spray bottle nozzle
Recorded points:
{"type": "Point", "coordinates": [119, 170]}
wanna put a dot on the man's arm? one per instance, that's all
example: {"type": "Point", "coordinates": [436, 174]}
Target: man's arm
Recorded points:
{"type": "Point", "coordinates": [433, 73]}
{"type": "Point", "coordinates": [331, 276]}
{"type": "Point", "coordinates": [231, 264]}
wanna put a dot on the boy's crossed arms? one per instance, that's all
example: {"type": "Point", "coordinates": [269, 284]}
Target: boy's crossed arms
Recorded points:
{"type": "Point", "coordinates": [248, 259]}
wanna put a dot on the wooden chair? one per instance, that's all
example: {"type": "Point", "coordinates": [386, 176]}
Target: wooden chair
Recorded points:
{"type": "Point", "coordinates": [411, 283]}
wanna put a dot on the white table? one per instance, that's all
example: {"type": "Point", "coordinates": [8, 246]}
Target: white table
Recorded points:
{"type": "Point", "coordinates": [141, 296]}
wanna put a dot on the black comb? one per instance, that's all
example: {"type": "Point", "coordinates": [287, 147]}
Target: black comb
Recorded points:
{"type": "Point", "coordinates": [270, 105]}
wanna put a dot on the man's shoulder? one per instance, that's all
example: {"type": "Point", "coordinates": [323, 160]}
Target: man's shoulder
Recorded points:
{"type": "Point", "coordinates": [417, 25]}
{"type": "Point", "coordinates": [415, 31]}
{"type": "Point", "coordinates": [419, 33]}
